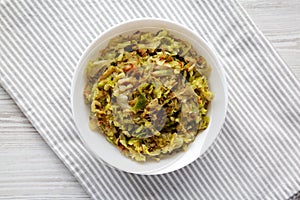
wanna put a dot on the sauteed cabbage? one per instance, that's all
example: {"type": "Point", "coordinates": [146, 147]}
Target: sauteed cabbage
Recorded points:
{"type": "Point", "coordinates": [148, 94]}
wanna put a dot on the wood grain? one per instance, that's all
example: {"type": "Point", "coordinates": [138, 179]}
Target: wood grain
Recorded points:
{"type": "Point", "coordinates": [280, 22]}
{"type": "Point", "coordinates": [28, 167]}
{"type": "Point", "coordinates": [30, 170]}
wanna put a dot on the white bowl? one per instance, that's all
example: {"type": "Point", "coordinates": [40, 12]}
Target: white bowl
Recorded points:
{"type": "Point", "coordinates": [108, 153]}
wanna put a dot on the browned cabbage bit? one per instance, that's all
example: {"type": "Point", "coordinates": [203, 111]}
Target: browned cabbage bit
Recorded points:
{"type": "Point", "coordinates": [148, 94]}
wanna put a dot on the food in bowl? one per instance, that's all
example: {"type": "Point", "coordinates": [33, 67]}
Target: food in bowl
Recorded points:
{"type": "Point", "coordinates": [148, 94]}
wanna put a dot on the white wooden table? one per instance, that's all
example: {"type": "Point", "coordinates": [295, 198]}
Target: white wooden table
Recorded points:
{"type": "Point", "coordinates": [30, 170]}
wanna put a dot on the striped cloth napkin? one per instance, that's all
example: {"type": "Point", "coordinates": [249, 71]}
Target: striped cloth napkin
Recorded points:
{"type": "Point", "coordinates": [256, 156]}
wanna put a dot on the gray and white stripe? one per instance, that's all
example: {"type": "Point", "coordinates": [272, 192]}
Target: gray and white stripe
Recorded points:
{"type": "Point", "coordinates": [257, 153]}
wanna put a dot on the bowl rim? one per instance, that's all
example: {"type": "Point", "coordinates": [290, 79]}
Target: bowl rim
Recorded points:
{"type": "Point", "coordinates": [105, 34]}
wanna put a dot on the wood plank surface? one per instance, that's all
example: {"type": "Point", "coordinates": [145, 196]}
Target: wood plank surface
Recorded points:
{"type": "Point", "coordinates": [30, 170]}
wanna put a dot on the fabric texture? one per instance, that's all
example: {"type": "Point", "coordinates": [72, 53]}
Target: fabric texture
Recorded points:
{"type": "Point", "coordinates": [257, 154]}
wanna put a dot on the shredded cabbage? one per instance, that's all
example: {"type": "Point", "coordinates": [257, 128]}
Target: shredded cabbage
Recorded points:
{"type": "Point", "coordinates": [148, 94]}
